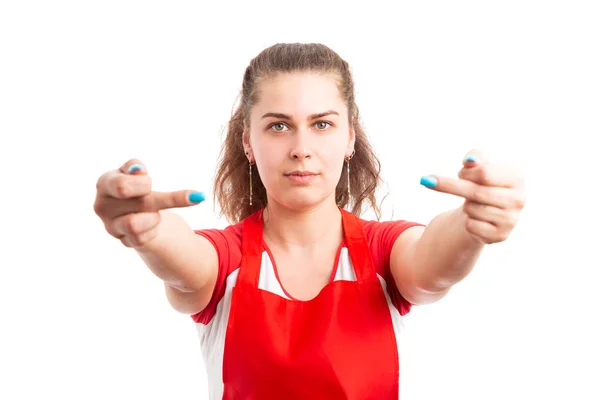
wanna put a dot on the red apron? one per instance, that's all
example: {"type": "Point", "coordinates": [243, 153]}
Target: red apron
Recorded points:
{"type": "Point", "coordinates": [339, 345]}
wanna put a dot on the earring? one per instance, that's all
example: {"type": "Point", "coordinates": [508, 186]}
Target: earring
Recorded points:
{"type": "Point", "coordinates": [250, 173]}
{"type": "Point", "coordinates": [348, 170]}
{"type": "Point", "coordinates": [250, 163]}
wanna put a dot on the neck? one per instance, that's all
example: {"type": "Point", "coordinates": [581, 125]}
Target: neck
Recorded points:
{"type": "Point", "coordinates": [302, 230]}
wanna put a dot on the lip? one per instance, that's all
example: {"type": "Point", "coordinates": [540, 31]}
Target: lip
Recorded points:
{"type": "Point", "coordinates": [300, 173]}
{"type": "Point", "coordinates": [302, 177]}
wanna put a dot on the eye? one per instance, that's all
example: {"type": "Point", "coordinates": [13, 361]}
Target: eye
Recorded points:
{"type": "Point", "coordinates": [322, 125]}
{"type": "Point", "coordinates": [278, 124]}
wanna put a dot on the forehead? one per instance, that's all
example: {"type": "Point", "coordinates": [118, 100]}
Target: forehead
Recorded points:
{"type": "Point", "coordinates": [299, 94]}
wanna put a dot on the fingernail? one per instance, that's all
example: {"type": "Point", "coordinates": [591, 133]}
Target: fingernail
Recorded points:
{"type": "Point", "coordinates": [134, 167]}
{"type": "Point", "coordinates": [428, 181]}
{"type": "Point", "coordinates": [471, 158]}
{"type": "Point", "coordinates": [196, 197]}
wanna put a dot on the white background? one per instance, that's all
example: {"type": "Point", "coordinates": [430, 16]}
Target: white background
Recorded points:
{"type": "Point", "coordinates": [85, 86]}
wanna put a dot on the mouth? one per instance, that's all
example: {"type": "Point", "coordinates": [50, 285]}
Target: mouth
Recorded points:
{"type": "Point", "coordinates": [301, 177]}
{"type": "Point", "coordinates": [301, 173]}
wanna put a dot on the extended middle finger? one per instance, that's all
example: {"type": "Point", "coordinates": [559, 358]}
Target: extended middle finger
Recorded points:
{"type": "Point", "coordinates": [494, 196]}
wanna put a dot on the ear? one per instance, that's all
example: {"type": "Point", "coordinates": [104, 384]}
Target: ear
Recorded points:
{"type": "Point", "coordinates": [246, 143]}
{"type": "Point", "coordinates": [351, 142]}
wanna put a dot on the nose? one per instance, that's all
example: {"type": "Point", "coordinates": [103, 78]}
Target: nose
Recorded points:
{"type": "Point", "coordinates": [300, 154]}
{"type": "Point", "coordinates": [301, 147]}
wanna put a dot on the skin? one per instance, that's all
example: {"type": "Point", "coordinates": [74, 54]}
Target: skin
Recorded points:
{"type": "Point", "coordinates": [299, 214]}
{"type": "Point", "coordinates": [302, 221]}
{"type": "Point", "coordinates": [428, 262]}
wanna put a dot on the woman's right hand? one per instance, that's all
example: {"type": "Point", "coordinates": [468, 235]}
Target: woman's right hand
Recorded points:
{"type": "Point", "coordinates": [128, 207]}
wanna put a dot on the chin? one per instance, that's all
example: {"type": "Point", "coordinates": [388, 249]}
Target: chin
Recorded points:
{"type": "Point", "coordinates": [302, 201]}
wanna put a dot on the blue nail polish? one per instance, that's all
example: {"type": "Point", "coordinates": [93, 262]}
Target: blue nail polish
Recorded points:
{"type": "Point", "coordinates": [196, 197]}
{"type": "Point", "coordinates": [471, 158]}
{"type": "Point", "coordinates": [135, 167]}
{"type": "Point", "coordinates": [428, 181]}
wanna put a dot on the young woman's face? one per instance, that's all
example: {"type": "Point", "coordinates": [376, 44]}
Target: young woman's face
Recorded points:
{"type": "Point", "coordinates": [299, 127]}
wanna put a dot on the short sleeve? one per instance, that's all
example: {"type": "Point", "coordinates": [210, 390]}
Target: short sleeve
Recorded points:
{"type": "Point", "coordinates": [381, 237]}
{"type": "Point", "coordinates": [228, 244]}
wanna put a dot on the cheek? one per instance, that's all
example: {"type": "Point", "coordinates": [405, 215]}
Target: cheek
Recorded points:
{"type": "Point", "coordinates": [269, 166]}
{"type": "Point", "coordinates": [267, 154]}
{"type": "Point", "coordinates": [336, 168]}
{"type": "Point", "coordinates": [333, 159]}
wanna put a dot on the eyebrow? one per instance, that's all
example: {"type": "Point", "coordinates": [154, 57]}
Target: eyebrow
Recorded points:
{"type": "Point", "coordinates": [313, 116]}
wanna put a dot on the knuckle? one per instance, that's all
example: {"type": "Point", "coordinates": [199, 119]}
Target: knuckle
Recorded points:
{"type": "Point", "coordinates": [142, 239]}
{"type": "Point", "coordinates": [135, 240]}
{"type": "Point", "coordinates": [480, 194]}
{"type": "Point", "coordinates": [502, 236]}
{"type": "Point", "coordinates": [122, 187]}
{"type": "Point", "coordinates": [127, 241]}
{"type": "Point", "coordinates": [154, 219]}
{"type": "Point", "coordinates": [111, 228]}
{"type": "Point", "coordinates": [483, 174]}
{"type": "Point", "coordinates": [469, 225]}
{"type": "Point", "coordinates": [146, 203]}
{"type": "Point", "coordinates": [133, 223]}
{"type": "Point", "coordinates": [466, 207]}
{"type": "Point", "coordinates": [146, 180]}
{"type": "Point", "coordinates": [98, 207]}
{"type": "Point", "coordinates": [512, 218]}
{"type": "Point", "coordinates": [520, 200]}
{"type": "Point", "coordinates": [495, 212]}
{"type": "Point", "coordinates": [470, 208]}
{"type": "Point", "coordinates": [101, 181]}
{"type": "Point", "coordinates": [144, 184]}
{"type": "Point", "coordinates": [147, 238]}
{"type": "Point", "coordinates": [508, 219]}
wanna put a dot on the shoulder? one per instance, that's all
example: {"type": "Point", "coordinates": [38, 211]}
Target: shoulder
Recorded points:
{"type": "Point", "coordinates": [230, 235]}
{"type": "Point", "coordinates": [381, 237]}
{"type": "Point", "coordinates": [228, 245]}
{"type": "Point", "coordinates": [384, 233]}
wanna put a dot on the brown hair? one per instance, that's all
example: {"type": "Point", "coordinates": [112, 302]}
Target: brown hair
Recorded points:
{"type": "Point", "coordinates": [232, 181]}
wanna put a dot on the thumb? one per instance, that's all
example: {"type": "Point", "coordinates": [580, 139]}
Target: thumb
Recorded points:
{"type": "Point", "coordinates": [475, 167]}
{"type": "Point", "coordinates": [177, 199]}
{"type": "Point", "coordinates": [474, 158]}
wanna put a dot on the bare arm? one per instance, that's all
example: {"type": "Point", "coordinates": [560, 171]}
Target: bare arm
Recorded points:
{"type": "Point", "coordinates": [185, 261]}
{"type": "Point", "coordinates": [138, 216]}
{"type": "Point", "coordinates": [427, 262]}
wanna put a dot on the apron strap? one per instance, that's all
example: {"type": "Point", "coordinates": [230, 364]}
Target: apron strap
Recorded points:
{"type": "Point", "coordinates": [356, 241]}
{"type": "Point", "coordinates": [358, 247]}
{"type": "Point", "coordinates": [252, 235]}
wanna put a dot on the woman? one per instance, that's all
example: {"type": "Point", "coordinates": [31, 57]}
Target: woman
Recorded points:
{"type": "Point", "coordinates": [299, 298]}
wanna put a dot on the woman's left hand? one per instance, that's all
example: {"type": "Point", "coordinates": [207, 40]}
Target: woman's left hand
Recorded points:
{"type": "Point", "coordinates": [494, 196]}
